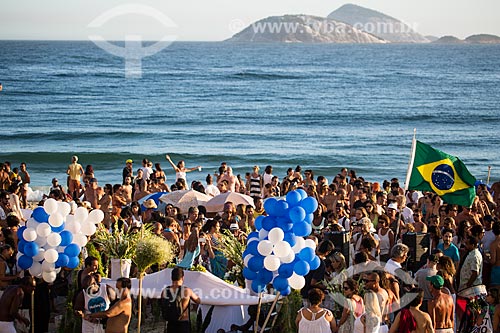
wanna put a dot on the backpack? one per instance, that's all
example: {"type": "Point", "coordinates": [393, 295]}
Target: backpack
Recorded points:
{"type": "Point", "coordinates": [171, 307]}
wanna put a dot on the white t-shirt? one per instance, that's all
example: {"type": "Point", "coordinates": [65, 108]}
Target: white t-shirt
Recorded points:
{"type": "Point", "coordinates": [212, 190]}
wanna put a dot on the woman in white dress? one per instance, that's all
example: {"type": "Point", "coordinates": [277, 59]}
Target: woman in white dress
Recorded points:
{"type": "Point", "coordinates": [315, 319]}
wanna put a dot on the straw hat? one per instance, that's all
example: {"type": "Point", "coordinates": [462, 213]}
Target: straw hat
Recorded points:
{"type": "Point", "coordinates": [150, 203]}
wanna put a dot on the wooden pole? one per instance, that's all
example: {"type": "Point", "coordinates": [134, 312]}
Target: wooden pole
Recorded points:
{"type": "Point", "coordinates": [256, 325]}
{"type": "Point", "coordinates": [270, 312]}
{"type": "Point", "coordinates": [33, 312]}
{"type": "Point", "coordinates": [139, 303]}
{"type": "Point", "coordinates": [489, 174]}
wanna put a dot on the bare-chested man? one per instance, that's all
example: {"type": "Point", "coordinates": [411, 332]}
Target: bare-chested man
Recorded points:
{"type": "Point", "coordinates": [413, 319]}
{"type": "Point", "coordinates": [495, 255]}
{"type": "Point", "coordinates": [120, 313]}
{"type": "Point", "coordinates": [441, 308]}
{"type": "Point", "coordinates": [181, 325]}
{"type": "Point", "coordinates": [10, 302]}
{"type": "Point", "coordinates": [127, 189]}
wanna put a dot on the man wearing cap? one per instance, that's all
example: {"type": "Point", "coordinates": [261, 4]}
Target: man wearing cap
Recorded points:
{"type": "Point", "coordinates": [441, 308]}
{"type": "Point", "coordinates": [75, 172]}
{"type": "Point", "coordinates": [421, 277]}
{"type": "Point", "coordinates": [128, 171]}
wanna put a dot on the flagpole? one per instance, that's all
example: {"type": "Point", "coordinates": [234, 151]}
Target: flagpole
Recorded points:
{"type": "Point", "coordinates": [412, 158]}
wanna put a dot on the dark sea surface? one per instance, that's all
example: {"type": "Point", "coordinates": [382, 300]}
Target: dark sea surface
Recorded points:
{"type": "Point", "coordinates": [321, 106]}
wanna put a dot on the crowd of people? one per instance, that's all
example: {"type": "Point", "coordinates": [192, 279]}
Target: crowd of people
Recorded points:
{"type": "Point", "coordinates": [371, 270]}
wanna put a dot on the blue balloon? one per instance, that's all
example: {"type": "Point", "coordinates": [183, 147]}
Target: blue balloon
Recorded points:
{"type": "Point", "coordinates": [258, 222]}
{"type": "Point", "coordinates": [286, 291]}
{"type": "Point", "coordinates": [63, 260]}
{"type": "Point", "coordinates": [301, 268]}
{"type": "Point", "coordinates": [284, 224]}
{"type": "Point", "coordinates": [270, 206]}
{"type": "Point", "coordinates": [66, 238]}
{"type": "Point", "coordinates": [296, 214]}
{"type": "Point", "coordinates": [253, 234]}
{"type": "Point", "coordinates": [302, 229]}
{"type": "Point", "coordinates": [309, 218]}
{"type": "Point", "coordinates": [31, 249]}
{"type": "Point", "coordinates": [59, 228]}
{"type": "Point", "coordinates": [245, 253]}
{"type": "Point", "coordinates": [40, 215]}
{"type": "Point", "coordinates": [249, 274]}
{"type": "Point", "coordinates": [303, 193]}
{"type": "Point", "coordinates": [280, 283]}
{"type": "Point", "coordinates": [281, 208]}
{"type": "Point", "coordinates": [307, 254]}
{"type": "Point", "coordinates": [24, 262]}
{"type": "Point", "coordinates": [258, 286]}
{"type": "Point", "coordinates": [256, 263]}
{"type": "Point", "coordinates": [72, 250]}
{"type": "Point", "coordinates": [73, 262]}
{"type": "Point", "coordinates": [265, 276]}
{"type": "Point", "coordinates": [315, 263]}
{"type": "Point", "coordinates": [286, 270]}
{"type": "Point", "coordinates": [269, 223]}
{"type": "Point", "coordinates": [309, 204]}
{"type": "Point", "coordinates": [21, 244]}
{"type": "Point", "coordinates": [289, 238]}
{"type": "Point", "coordinates": [293, 198]}
{"type": "Point", "coordinates": [20, 232]}
{"type": "Point", "coordinates": [252, 247]}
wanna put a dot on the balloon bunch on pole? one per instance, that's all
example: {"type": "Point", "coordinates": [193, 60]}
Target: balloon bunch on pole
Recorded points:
{"type": "Point", "coordinates": [277, 252]}
{"type": "Point", "coordinates": [52, 239]}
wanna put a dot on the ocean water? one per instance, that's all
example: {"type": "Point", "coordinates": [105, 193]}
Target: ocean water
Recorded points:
{"type": "Point", "coordinates": [321, 106]}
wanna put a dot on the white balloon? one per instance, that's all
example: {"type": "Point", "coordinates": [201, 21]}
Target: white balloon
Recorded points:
{"type": "Point", "coordinates": [80, 240]}
{"type": "Point", "coordinates": [282, 249]}
{"type": "Point", "coordinates": [50, 206]}
{"type": "Point", "coordinates": [63, 208]}
{"type": "Point", "coordinates": [35, 269]}
{"type": "Point", "coordinates": [41, 241]}
{"type": "Point", "coordinates": [29, 234]}
{"type": "Point", "coordinates": [51, 256]}
{"type": "Point", "coordinates": [310, 243]}
{"type": "Point", "coordinates": [58, 269]}
{"type": "Point", "coordinates": [88, 228]}
{"type": "Point", "coordinates": [72, 226]}
{"type": "Point", "coordinates": [300, 243]}
{"type": "Point", "coordinates": [54, 239]}
{"type": "Point", "coordinates": [56, 220]}
{"type": "Point", "coordinates": [18, 255]}
{"type": "Point", "coordinates": [47, 266]}
{"type": "Point", "coordinates": [272, 263]}
{"type": "Point", "coordinates": [43, 230]}
{"type": "Point", "coordinates": [247, 258]}
{"type": "Point", "coordinates": [40, 256]}
{"type": "Point", "coordinates": [32, 223]}
{"type": "Point", "coordinates": [81, 214]}
{"type": "Point", "coordinates": [70, 218]}
{"type": "Point", "coordinates": [289, 258]}
{"type": "Point", "coordinates": [263, 233]}
{"type": "Point", "coordinates": [49, 277]}
{"type": "Point", "coordinates": [276, 235]}
{"type": "Point", "coordinates": [296, 281]}
{"type": "Point", "coordinates": [265, 247]}
{"type": "Point", "coordinates": [96, 216]}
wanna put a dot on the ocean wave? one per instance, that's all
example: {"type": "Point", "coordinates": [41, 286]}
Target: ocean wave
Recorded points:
{"type": "Point", "coordinates": [262, 76]}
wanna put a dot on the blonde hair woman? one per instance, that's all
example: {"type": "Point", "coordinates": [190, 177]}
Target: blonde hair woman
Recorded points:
{"type": "Point", "coordinates": [369, 322]}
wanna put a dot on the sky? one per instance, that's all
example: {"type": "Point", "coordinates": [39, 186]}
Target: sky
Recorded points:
{"type": "Point", "coordinates": [214, 20]}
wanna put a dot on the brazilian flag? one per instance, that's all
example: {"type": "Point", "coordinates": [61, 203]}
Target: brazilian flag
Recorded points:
{"type": "Point", "coordinates": [443, 174]}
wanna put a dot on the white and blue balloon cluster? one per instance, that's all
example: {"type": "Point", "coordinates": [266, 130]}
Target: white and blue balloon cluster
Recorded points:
{"type": "Point", "coordinates": [277, 252]}
{"type": "Point", "coordinates": [52, 238]}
